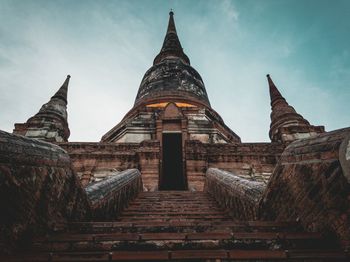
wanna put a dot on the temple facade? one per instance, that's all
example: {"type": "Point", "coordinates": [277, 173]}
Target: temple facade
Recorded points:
{"type": "Point", "coordinates": [171, 134]}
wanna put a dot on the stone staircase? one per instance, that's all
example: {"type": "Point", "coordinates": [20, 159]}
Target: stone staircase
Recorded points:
{"type": "Point", "coordinates": [180, 226]}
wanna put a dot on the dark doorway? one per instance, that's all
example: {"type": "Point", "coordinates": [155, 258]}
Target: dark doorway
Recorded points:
{"type": "Point", "coordinates": [172, 173]}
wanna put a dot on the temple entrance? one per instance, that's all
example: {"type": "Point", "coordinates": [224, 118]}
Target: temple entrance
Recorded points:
{"type": "Point", "coordinates": [172, 166]}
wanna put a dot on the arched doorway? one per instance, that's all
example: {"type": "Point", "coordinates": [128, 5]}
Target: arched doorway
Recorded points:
{"type": "Point", "coordinates": [170, 126]}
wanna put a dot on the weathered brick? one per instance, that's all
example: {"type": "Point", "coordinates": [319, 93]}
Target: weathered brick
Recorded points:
{"type": "Point", "coordinates": [315, 191]}
{"type": "Point", "coordinates": [38, 188]}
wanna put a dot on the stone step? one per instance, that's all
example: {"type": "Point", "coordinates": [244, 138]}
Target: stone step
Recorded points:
{"type": "Point", "coordinates": [69, 237]}
{"type": "Point", "coordinates": [262, 224]}
{"type": "Point", "coordinates": [177, 241]}
{"type": "Point", "coordinates": [238, 254]}
{"type": "Point", "coordinates": [175, 218]}
{"type": "Point", "coordinates": [173, 206]}
{"type": "Point", "coordinates": [178, 225]}
{"type": "Point", "coordinates": [181, 226]}
{"type": "Point", "coordinates": [165, 192]}
{"type": "Point", "coordinates": [159, 211]}
{"type": "Point", "coordinates": [168, 202]}
{"type": "Point", "coordinates": [172, 213]}
{"type": "Point", "coordinates": [183, 195]}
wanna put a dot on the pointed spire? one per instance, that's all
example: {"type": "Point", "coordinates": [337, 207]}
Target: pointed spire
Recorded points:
{"type": "Point", "coordinates": [171, 24]}
{"type": "Point", "coordinates": [277, 100]}
{"type": "Point", "coordinates": [286, 124]}
{"type": "Point", "coordinates": [171, 46]}
{"type": "Point", "coordinates": [62, 92]}
{"type": "Point", "coordinates": [274, 93]}
{"type": "Point", "coordinates": [50, 123]}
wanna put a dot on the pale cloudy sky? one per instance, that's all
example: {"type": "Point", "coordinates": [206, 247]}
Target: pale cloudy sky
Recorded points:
{"type": "Point", "coordinates": [107, 46]}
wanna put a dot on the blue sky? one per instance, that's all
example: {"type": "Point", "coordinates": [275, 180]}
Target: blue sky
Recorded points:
{"type": "Point", "coordinates": [107, 46]}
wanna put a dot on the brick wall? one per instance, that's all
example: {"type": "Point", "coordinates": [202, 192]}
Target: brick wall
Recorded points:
{"type": "Point", "coordinates": [95, 161]}
{"type": "Point", "coordinates": [97, 158]}
{"type": "Point", "coordinates": [311, 184]}
{"type": "Point", "coordinates": [38, 188]}
{"type": "Point", "coordinates": [252, 161]}
{"type": "Point", "coordinates": [148, 155]}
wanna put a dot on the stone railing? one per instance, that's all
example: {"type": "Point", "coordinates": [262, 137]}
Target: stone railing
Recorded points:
{"type": "Point", "coordinates": [40, 192]}
{"type": "Point", "coordinates": [311, 184]}
{"type": "Point", "coordinates": [38, 189]}
{"type": "Point", "coordinates": [109, 196]}
{"type": "Point", "coordinates": [238, 195]}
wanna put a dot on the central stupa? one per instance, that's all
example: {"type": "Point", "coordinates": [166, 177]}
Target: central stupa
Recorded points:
{"type": "Point", "coordinates": [171, 88]}
{"type": "Point", "coordinates": [171, 78]}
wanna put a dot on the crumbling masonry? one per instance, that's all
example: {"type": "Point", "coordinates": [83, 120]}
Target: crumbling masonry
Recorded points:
{"type": "Point", "coordinates": [172, 147]}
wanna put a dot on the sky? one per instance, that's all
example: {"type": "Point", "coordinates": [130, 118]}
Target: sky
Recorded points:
{"type": "Point", "coordinates": [107, 46]}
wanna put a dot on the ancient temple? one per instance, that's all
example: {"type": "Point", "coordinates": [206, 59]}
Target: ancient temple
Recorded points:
{"type": "Point", "coordinates": [171, 181]}
{"type": "Point", "coordinates": [172, 117]}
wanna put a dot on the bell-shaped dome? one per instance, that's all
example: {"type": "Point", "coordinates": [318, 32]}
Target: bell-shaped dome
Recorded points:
{"type": "Point", "coordinates": [171, 77]}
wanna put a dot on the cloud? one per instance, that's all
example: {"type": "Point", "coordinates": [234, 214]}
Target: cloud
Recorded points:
{"type": "Point", "coordinates": [108, 46]}
{"type": "Point", "coordinates": [104, 65]}
{"type": "Point", "coordinates": [229, 9]}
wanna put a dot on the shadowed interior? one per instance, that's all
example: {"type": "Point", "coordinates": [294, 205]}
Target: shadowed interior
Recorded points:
{"type": "Point", "coordinates": [172, 173]}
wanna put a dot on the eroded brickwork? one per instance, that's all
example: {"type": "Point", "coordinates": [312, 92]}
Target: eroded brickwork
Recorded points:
{"type": "Point", "coordinates": [237, 195]}
{"type": "Point", "coordinates": [95, 161]}
{"type": "Point", "coordinates": [38, 188]}
{"type": "Point", "coordinates": [148, 155]}
{"type": "Point", "coordinates": [310, 184]}
{"type": "Point", "coordinates": [286, 124]}
{"type": "Point", "coordinates": [40, 182]}
{"type": "Point", "coordinates": [50, 123]}
{"type": "Point", "coordinates": [110, 195]}
{"type": "Point", "coordinates": [252, 161]}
